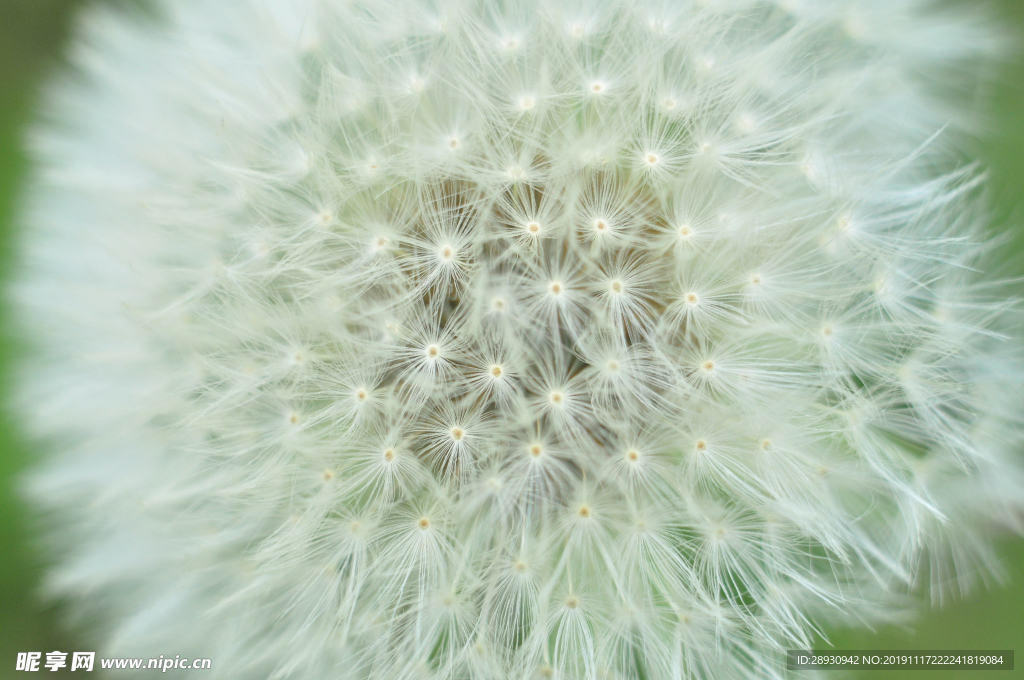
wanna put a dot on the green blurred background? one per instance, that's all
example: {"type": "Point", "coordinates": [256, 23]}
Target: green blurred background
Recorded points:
{"type": "Point", "coordinates": [32, 33]}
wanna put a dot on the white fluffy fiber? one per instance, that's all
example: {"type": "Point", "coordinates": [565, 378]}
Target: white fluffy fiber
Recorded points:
{"type": "Point", "coordinates": [516, 338]}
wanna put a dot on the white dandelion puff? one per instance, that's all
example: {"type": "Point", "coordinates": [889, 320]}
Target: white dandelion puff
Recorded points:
{"type": "Point", "coordinates": [537, 339]}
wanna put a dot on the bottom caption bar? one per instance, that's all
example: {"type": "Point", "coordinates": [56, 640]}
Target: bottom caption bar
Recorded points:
{"type": "Point", "coordinates": [901, 659]}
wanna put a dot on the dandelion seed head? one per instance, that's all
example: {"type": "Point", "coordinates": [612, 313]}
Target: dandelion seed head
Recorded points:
{"type": "Point", "coordinates": [496, 340]}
